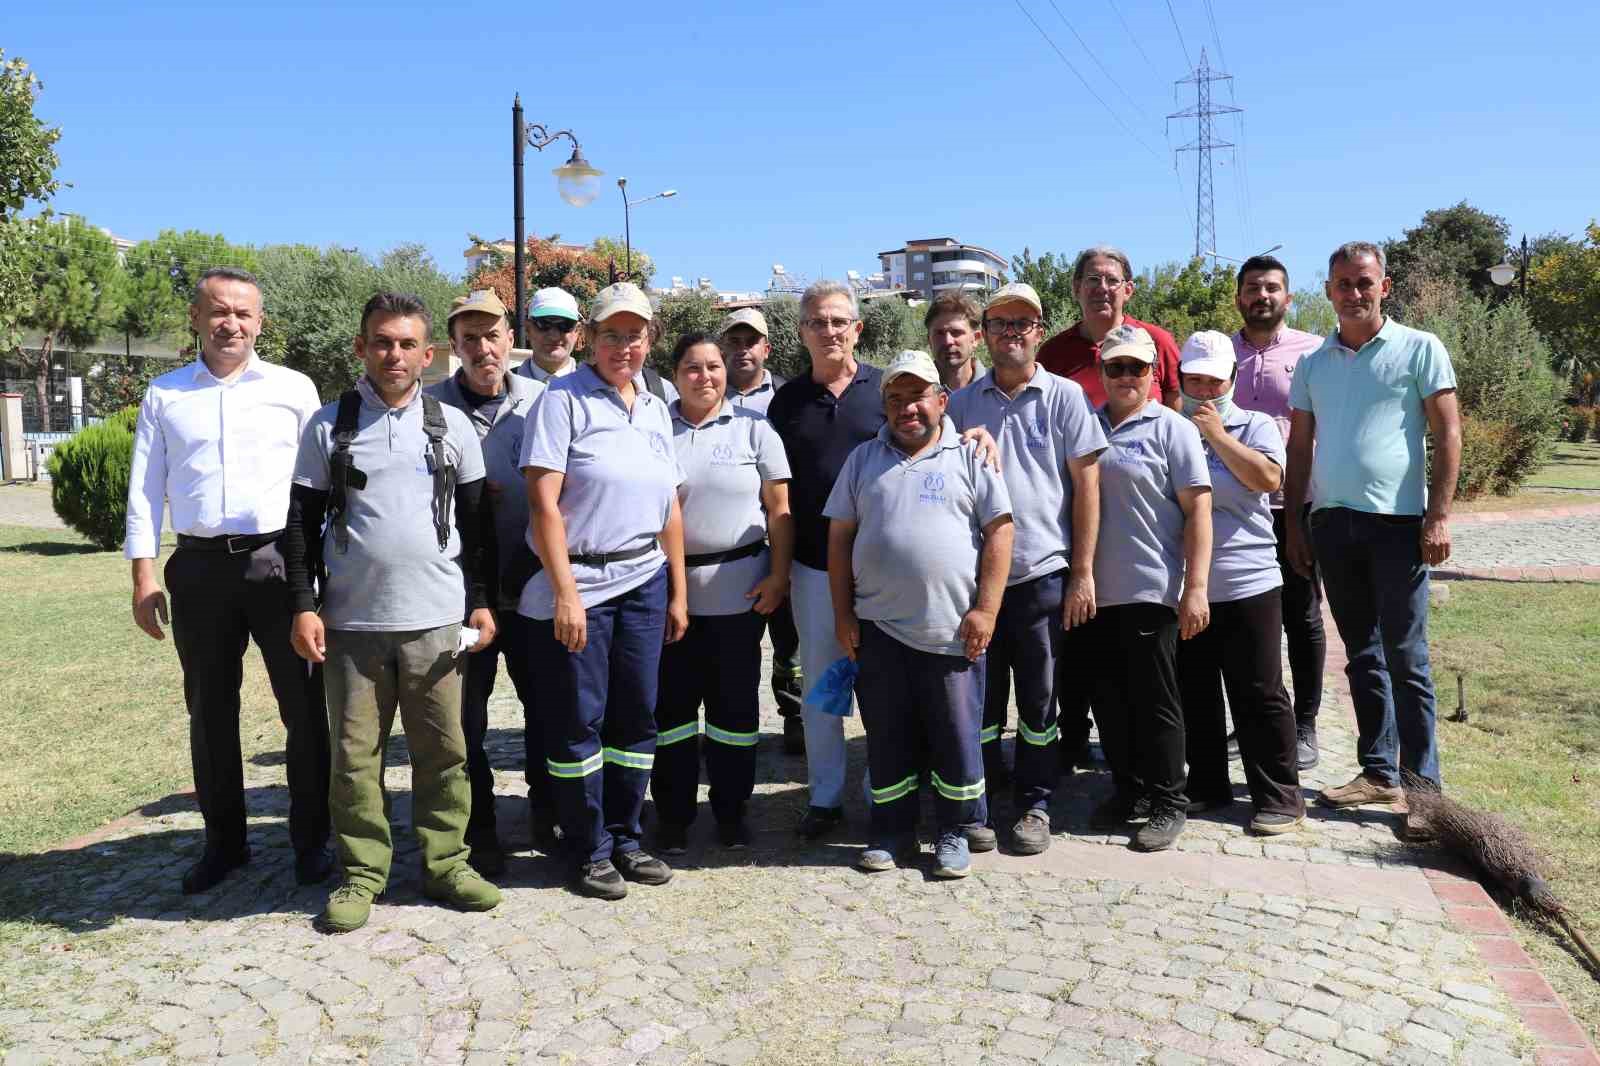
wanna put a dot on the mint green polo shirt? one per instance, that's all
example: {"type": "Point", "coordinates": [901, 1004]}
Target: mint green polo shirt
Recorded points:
{"type": "Point", "coordinates": [1370, 451]}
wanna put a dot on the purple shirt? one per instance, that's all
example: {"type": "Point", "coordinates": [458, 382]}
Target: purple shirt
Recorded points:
{"type": "Point", "coordinates": [1264, 376]}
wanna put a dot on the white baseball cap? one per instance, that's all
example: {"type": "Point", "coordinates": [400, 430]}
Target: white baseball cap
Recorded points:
{"type": "Point", "coordinates": [917, 364]}
{"type": "Point", "coordinates": [1209, 353]}
{"type": "Point", "coordinates": [553, 303]}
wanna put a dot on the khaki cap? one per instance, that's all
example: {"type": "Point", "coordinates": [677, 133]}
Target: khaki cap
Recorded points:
{"type": "Point", "coordinates": [1128, 342]}
{"type": "Point", "coordinates": [1014, 291]}
{"type": "Point", "coordinates": [615, 299]}
{"type": "Point", "coordinates": [745, 316]}
{"type": "Point", "coordinates": [484, 300]}
{"type": "Point", "coordinates": [917, 364]}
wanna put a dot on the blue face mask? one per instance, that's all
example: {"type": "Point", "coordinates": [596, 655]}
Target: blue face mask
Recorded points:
{"type": "Point", "coordinates": [1223, 403]}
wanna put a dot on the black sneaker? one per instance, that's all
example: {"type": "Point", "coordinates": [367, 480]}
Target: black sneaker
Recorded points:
{"type": "Point", "coordinates": [1114, 811]}
{"type": "Point", "coordinates": [794, 736]}
{"type": "Point", "coordinates": [599, 880]}
{"type": "Point", "coordinates": [641, 866]}
{"type": "Point", "coordinates": [1162, 830]}
{"type": "Point", "coordinates": [733, 834]}
{"type": "Point", "coordinates": [1307, 754]}
{"type": "Point", "coordinates": [979, 837]}
{"type": "Point", "coordinates": [213, 866]}
{"type": "Point", "coordinates": [672, 839]}
{"type": "Point", "coordinates": [312, 866]}
{"type": "Point", "coordinates": [1141, 809]}
{"type": "Point", "coordinates": [820, 821]}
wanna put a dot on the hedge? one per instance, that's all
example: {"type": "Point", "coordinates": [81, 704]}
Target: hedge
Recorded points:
{"type": "Point", "coordinates": [89, 479]}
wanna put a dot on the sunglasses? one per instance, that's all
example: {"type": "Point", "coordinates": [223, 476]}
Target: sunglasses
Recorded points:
{"type": "Point", "coordinates": [553, 324]}
{"type": "Point", "coordinates": [1122, 368]}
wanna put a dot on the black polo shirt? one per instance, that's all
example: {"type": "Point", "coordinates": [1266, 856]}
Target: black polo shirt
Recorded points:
{"type": "Point", "coordinates": [819, 432]}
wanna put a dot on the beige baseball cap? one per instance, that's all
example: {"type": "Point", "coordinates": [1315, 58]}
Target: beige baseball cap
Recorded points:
{"type": "Point", "coordinates": [917, 364]}
{"type": "Point", "coordinates": [615, 299]}
{"type": "Point", "coordinates": [1128, 342]}
{"type": "Point", "coordinates": [745, 316]}
{"type": "Point", "coordinates": [484, 300]}
{"type": "Point", "coordinates": [1015, 291]}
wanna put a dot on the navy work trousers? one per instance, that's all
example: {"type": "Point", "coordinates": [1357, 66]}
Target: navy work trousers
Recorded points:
{"type": "Point", "coordinates": [599, 716]}
{"type": "Point", "coordinates": [511, 642]}
{"type": "Point", "coordinates": [1027, 643]}
{"type": "Point", "coordinates": [718, 664]}
{"type": "Point", "coordinates": [1136, 701]}
{"type": "Point", "coordinates": [914, 702]}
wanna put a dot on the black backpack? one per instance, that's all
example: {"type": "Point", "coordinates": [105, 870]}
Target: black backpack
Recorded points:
{"type": "Point", "coordinates": [344, 476]}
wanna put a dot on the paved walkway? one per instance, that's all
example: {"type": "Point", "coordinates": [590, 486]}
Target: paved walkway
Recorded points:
{"type": "Point", "coordinates": [26, 503]}
{"type": "Point", "coordinates": [1338, 945]}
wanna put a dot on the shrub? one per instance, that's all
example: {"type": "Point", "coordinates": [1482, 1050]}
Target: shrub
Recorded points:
{"type": "Point", "coordinates": [89, 479]}
{"type": "Point", "coordinates": [1483, 449]}
{"type": "Point", "coordinates": [1594, 424]}
{"type": "Point", "coordinates": [1580, 422]}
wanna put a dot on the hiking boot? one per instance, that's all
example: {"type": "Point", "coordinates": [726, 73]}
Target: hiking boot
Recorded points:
{"type": "Point", "coordinates": [641, 866]}
{"type": "Point", "coordinates": [464, 890]}
{"type": "Point", "coordinates": [1031, 834]}
{"type": "Point", "coordinates": [349, 907]}
{"type": "Point", "coordinates": [1306, 752]}
{"type": "Point", "coordinates": [599, 880]}
{"type": "Point", "coordinates": [1271, 824]}
{"type": "Point", "coordinates": [820, 821]}
{"type": "Point", "coordinates": [1141, 809]}
{"type": "Point", "coordinates": [213, 866]}
{"type": "Point", "coordinates": [733, 834]}
{"type": "Point", "coordinates": [487, 857]}
{"type": "Point", "coordinates": [1162, 830]}
{"type": "Point", "coordinates": [672, 839]}
{"type": "Point", "coordinates": [789, 691]}
{"type": "Point", "coordinates": [951, 857]}
{"type": "Point", "coordinates": [1362, 789]}
{"type": "Point", "coordinates": [980, 838]}
{"type": "Point", "coordinates": [1115, 811]}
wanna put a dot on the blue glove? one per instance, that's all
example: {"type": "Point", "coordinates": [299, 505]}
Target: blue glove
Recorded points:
{"type": "Point", "coordinates": [831, 693]}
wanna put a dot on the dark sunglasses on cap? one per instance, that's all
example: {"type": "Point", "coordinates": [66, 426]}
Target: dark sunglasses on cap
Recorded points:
{"type": "Point", "coordinates": [1122, 367]}
{"type": "Point", "coordinates": [552, 324]}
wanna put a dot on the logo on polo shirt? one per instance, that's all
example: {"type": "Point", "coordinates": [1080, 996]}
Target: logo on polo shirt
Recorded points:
{"type": "Point", "coordinates": [1037, 434]}
{"type": "Point", "coordinates": [659, 445]}
{"type": "Point", "coordinates": [933, 489]}
{"type": "Point", "coordinates": [722, 455]}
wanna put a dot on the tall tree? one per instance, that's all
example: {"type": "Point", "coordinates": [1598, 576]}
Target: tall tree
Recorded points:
{"type": "Point", "coordinates": [547, 265]}
{"type": "Point", "coordinates": [1185, 298]}
{"type": "Point", "coordinates": [1051, 278]}
{"type": "Point", "coordinates": [1564, 302]}
{"type": "Point", "coordinates": [28, 158]}
{"type": "Point", "coordinates": [613, 250]}
{"type": "Point", "coordinates": [1312, 312]}
{"type": "Point", "coordinates": [1457, 244]}
{"type": "Point", "coordinates": [78, 284]}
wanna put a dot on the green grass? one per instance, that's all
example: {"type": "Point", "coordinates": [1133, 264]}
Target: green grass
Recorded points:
{"type": "Point", "coordinates": [1530, 750]}
{"type": "Point", "coordinates": [1574, 466]}
{"type": "Point", "coordinates": [92, 722]}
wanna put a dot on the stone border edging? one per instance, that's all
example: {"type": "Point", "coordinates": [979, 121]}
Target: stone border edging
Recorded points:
{"type": "Point", "coordinates": [1546, 574]}
{"type": "Point", "coordinates": [1532, 514]}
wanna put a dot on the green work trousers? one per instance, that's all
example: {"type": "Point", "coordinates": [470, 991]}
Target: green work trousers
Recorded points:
{"type": "Point", "coordinates": [367, 676]}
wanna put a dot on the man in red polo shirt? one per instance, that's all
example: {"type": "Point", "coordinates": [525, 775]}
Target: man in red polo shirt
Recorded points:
{"type": "Point", "coordinates": [1102, 282]}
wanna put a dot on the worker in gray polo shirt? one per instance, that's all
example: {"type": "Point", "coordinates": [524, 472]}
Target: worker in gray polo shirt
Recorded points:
{"type": "Point", "coordinates": [497, 403]}
{"type": "Point", "coordinates": [399, 477]}
{"type": "Point", "coordinates": [919, 543]}
{"type": "Point", "coordinates": [1049, 443]}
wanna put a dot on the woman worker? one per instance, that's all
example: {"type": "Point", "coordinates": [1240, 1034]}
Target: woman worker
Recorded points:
{"type": "Point", "coordinates": [602, 488]}
{"type": "Point", "coordinates": [1240, 648]}
{"type": "Point", "coordinates": [1150, 575]}
{"type": "Point", "coordinates": [735, 499]}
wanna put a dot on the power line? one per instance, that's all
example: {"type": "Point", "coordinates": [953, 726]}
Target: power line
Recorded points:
{"type": "Point", "coordinates": [1211, 15]}
{"type": "Point", "coordinates": [1089, 88]}
{"type": "Point", "coordinates": [1109, 76]}
{"type": "Point", "coordinates": [1134, 38]}
{"type": "Point", "coordinates": [1181, 43]}
{"type": "Point", "coordinates": [1205, 221]}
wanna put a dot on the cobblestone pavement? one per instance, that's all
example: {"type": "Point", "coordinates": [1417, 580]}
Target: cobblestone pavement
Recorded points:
{"type": "Point", "coordinates": [1572, 541]}
{"type": "Point", "coordinates": [26, 503]}
{"type": "Point", "coordinates": [1325, 947]}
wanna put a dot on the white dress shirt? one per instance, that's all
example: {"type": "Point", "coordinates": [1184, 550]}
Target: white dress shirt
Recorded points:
{"type": "Point", "coordinates": [221, 453]}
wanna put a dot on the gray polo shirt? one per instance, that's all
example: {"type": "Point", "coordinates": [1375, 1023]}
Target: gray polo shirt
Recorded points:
{"type": "Point", "coordinates": [1149, 458]}
{"type": "Point", "coordinates": [393, 577]}
{"type": "Point", "coordinates": [919, 533]}
{"type": "Point", "coordinates": [1244, 549]}
{"type": "Point", "coordinates": [724, 463]}
{"type": "Point", "coordinates": [620, 475]}
{"type": "Point", "coordinates": [758, 399]}
{"type": "Point", "coordinates": [1049, 423]}
{"type": "Point", "coordinates": [501, 438]}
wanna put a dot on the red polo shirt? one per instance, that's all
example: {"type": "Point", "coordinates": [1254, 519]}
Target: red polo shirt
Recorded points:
{"type": "Point", "coordinates": [1071, 356]}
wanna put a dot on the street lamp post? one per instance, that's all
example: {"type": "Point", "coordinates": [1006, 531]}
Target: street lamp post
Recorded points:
{"type": "Point", "coordinates": [1502, 273]}
{"type": "Point", "coordinates": [627, 224]}
{"type": "Point", "coordinates": [575, 182]}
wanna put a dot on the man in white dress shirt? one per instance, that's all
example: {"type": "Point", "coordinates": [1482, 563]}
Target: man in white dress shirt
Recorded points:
{"type": "Point", "coordinates": [216, 440]}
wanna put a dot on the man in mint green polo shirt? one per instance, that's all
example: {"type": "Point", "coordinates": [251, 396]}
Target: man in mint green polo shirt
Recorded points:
{"type": "Point", "coordinates": [1360, 406]}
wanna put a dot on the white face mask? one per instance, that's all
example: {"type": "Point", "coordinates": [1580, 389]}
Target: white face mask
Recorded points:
{"type": "Point", "coordinates": [1223, 404]}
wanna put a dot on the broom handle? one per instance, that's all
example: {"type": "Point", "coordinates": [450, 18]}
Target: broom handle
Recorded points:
{"type": "Point", "coordinates": [1572, 931]}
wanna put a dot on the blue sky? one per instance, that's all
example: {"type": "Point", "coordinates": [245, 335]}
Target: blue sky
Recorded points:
{"type": "Point", "coordinates": [815, 135]}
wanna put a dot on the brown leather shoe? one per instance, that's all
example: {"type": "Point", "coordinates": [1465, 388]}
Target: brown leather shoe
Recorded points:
{"type": "Point", "coordinates": [1361, 790]}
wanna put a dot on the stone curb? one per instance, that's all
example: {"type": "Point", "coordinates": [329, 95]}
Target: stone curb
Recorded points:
{"type": "Point", "coordinates": [1546, 574]}
{"type": "Point", "coordinates": [1533, 514]}
{"type": "Point", "coordinates": [1562, 1041]}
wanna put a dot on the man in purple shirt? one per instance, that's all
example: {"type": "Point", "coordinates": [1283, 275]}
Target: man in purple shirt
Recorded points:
{"type": "Point", "coordinates": [1267, 352]}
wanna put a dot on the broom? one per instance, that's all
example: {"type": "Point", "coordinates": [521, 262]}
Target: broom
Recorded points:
{"type": "Point", "coordinates": [1504, 853]}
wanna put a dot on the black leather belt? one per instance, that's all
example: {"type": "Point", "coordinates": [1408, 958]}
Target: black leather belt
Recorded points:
{"type": "Point", "coordinates": [743, 551]}
{"type": "Point", "coordinates": [232, 543]}
{"type": "Point", "coordinates": [603, 558]}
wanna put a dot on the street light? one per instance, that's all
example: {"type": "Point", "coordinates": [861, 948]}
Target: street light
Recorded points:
{"type": "Point", "coordinates": [575, 182]}
{"type": "Point", "coordinates": [627, 225]}
{"type": "Point", "coordinates": [1503, 273]}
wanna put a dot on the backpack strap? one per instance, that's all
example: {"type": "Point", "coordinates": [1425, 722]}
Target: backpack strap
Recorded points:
{"type": "Point", "coordinates": [343, 475]}
{"type": "Point", "coordinates": [444, 471]}
{"type": "Point", "coordinates": [652, 381]}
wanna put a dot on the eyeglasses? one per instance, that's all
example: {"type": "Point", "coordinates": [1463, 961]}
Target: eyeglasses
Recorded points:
{"type": "Point", "coordinates": [1003, 326]}
{"type": "Point", "coordinates": [552, 324]}
{"type": "Point", "coordinates": [1102, 281]}
{"type": "Point", "coordinates": [1122, 368]}
{"type": "Point", "coordinates": [623, 340]}
{"type": "Point", "coordinates": [820, 324]}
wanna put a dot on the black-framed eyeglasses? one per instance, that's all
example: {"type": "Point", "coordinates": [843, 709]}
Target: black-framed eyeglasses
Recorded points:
{"type": "Point", "coordinates": [1003, 326]}
{"type": "Point", "coordinates": [1123, 368]}
{"type": "Point", "coordinates": [552, 324]}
